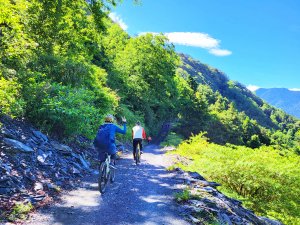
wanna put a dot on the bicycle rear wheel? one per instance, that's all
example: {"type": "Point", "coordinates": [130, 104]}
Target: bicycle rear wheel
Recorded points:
{"type": "Point", "coordinates": [103, 177]}
{"type": "Point", "coordinates": [138, 154]}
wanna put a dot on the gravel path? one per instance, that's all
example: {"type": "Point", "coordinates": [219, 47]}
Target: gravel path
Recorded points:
{"type": "Point", "coordinates": [140, 195]}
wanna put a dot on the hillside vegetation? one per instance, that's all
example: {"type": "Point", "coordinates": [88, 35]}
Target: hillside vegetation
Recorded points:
{"type": "Point", "coordinates": [64, 65]}
{"type": "Point", "coordinates": [264, 179]}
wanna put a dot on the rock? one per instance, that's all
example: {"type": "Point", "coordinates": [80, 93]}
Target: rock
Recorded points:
{"type": "Point", "coordinates": [42, 156]}
{"type": "Point", "coordinates": [8, 133]}
{"type": "Point", "coordinates": [29, 175]}
{"type": "Point", "coordinates": [40, 135]}
{"type": "Point", "coordinates": [196, 203]}
{"type": "Point", "coordinates": [224, 219]}
{"type": "Point", "coordinates": [17, 145]}
{"type": "Point", "coordinates": [209, 189]}
{"type": "Point", "coordinates": [77, 166]}
{"type": "Point", "coordinates": [193, 219]}
{"type": "Point", "coordinates": [4, 180]}
{"type": "Point", "coordinates": [204, 183]}
{"type": "Point", "coordinates": [74, 170]}
{"type": "Point", "coordinates": [35, 199]}
{"type": "Point", "coordinates": [31, 143]}
{"type": "Point", "coordinates": [5, 191]}
{"type": "Point", "coordinates": [196, 175]}
{"type": "Point", "coordinates": [6, 168]}
{"type": "Point", "coordinates": [84, 163]}
{"type": "Point", "coordinates": [76, 156]}
{"type": "Point", "coordinates": [270, 222]}
{"type": "Point", "coordinates": [188, 209]}
{"type": "Point", "coordinates": [179, 170]}
{"type": "Point", "coordinates": [38, 186]}
{"type": "Point", "coordinates": [25, 176]}
{"type": "Point", "coordinates": [60, 147]}
{"type": "Point", "coordinates": [51, 186]}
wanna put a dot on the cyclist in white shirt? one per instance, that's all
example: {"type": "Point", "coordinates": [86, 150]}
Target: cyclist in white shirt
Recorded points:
{"type": "Point", "coordinates": [138, 134]}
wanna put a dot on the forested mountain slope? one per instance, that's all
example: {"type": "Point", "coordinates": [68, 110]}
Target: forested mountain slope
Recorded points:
{"type": "Point", "coordinates": [282, 98]}
{"type": "Point", "coordinates": [233, 112]}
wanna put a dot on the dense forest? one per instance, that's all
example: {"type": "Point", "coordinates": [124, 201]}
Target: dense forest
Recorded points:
{"type": "Point", "coordinates": [64, 65]}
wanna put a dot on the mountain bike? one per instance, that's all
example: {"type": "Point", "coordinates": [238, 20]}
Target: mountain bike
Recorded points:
{"type": "Point", "coordinates": [138, 154]}
{"type": "Point", "coordinates": [106, 172]}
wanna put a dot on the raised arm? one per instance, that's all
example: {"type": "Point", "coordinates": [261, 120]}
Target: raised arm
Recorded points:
{"type": "Point", "coordinates": [121, 131]}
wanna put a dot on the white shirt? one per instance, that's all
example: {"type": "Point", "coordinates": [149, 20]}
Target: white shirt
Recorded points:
{"type": "Point", "coordinates": [137, 132]}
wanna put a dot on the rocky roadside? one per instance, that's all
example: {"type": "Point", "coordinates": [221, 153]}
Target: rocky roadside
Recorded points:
{"type": "Point", "coordinates": [35, 168]}
{"type": "Point", "coordinates": [202, 203]}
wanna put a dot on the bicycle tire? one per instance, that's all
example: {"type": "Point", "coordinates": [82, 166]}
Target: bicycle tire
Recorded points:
{"type": "Point", "coordinates": [103, 178]}
{"type": "Point", "coordinates": [138, 154]}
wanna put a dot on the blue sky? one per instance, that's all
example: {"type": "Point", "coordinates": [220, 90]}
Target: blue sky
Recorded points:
{"type": "Point", "coordinates": [255, 42]}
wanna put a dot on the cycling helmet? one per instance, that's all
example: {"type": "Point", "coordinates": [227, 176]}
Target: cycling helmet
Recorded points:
{"type": "Point", "coordinates": [138, 123]}
{"type": "Point", "coordinates": [109, 118]}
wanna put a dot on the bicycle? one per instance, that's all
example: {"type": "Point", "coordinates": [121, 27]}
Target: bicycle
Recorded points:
{"type": "Point", "coordinates": [106, 172]}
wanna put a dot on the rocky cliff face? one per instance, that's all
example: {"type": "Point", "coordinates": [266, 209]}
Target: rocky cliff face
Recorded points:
{"type": "Point", "coordinates": [34, 167]}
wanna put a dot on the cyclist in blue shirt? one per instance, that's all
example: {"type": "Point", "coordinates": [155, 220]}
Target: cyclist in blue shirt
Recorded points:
{"type": "Point", "coordinates": [105, 139]}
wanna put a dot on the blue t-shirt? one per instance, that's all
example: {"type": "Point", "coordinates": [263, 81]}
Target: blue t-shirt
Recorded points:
{"type": "Point", "coordinates": [113, 129]}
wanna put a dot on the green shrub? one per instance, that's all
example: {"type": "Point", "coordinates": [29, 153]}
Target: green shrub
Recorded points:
{"type": "Point", "coordinates": [66, 110]}
{"type": "Point", "coordinates": [20, 211]}
{"type": "Point", "coordinates": [10, 101]}
{"type": "Point", "coordinates": [183, 196]}
{"type": "Point", "coordinates": [172, 139]}
{"type": "Point", "coordinates": [266, 180]}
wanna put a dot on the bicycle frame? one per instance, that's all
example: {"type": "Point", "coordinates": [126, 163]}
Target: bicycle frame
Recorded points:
{"type": "Point", "coordinates": [106, 173]}
{"type": "Point", "coordinates": [107, 163]}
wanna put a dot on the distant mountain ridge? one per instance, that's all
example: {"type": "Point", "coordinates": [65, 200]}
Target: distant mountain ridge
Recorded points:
{"type": "Point", "coordinates": [282, 98]}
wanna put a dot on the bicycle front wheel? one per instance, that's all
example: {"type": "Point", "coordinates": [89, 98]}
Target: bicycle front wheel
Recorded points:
{"type": "Point", "coordinates": [103, 177]}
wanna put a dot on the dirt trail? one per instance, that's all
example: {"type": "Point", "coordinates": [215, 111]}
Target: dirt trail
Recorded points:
{"type": "Point", "coordinates": [140, 195]}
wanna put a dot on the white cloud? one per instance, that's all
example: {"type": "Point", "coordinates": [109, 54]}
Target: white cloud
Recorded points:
{"type": "Point", "coordinates": [252, 87]}
{"type": "Point", "coordinates": [200, 40]}
{"type": "Point", "coordinates": [294, 89]}
{"type": "Point", "coordinates": [197, 39]}
{"type": "Point", "coordinates": [117, 19]}
{"type": "Point", "coordinates": [220, 52]}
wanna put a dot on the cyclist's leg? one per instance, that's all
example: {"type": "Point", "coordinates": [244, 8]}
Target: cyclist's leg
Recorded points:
{"type": "Point", "coordinates": [113, 158]}
{"type": "Point", "coordinates": [141, 145]}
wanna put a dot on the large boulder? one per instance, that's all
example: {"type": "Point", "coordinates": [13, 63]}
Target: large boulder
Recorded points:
{"type": "Point", "coordinates": [17, 145]}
